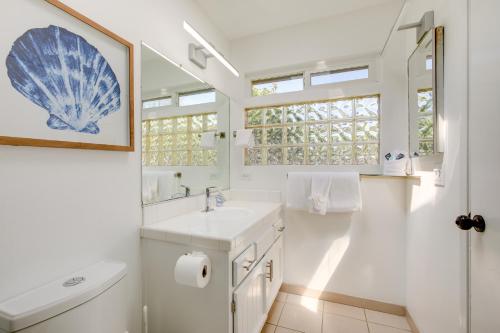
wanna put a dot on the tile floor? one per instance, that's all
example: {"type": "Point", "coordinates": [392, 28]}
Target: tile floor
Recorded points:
{"type": "Point", "coordinates": [299, 314]}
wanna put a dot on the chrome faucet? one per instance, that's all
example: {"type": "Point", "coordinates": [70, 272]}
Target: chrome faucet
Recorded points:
{"type": "Point", "coordinates": [208, 205]}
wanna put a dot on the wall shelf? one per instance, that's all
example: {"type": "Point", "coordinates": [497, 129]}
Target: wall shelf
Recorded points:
{"type": "Point", "coordinates": [375, 176]}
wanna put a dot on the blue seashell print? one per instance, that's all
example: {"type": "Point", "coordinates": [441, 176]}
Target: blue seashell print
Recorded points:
{"type": "Point", "coordinates": [64, 74]}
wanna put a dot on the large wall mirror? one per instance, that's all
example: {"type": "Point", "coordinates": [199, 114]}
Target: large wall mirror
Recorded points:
{"type": "Point", "coordinates": [185, 132]}
{"type": "Point", "coordinates": [425, 87]}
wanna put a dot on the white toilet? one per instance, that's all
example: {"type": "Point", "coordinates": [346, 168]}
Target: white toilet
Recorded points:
{"type": "Point", "coordinates": [91, 300]}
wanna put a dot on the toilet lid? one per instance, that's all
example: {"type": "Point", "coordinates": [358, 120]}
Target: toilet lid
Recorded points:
{"type": "Point", "coordinates": [59, 296]}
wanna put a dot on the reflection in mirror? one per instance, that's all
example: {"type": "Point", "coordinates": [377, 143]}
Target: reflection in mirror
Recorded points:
{"type": "Point", "coordinates": [185, 122]}
{"type": "Point", "coordinates": [425, 86]}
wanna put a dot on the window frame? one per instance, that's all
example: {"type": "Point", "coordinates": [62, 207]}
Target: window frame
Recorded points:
{"type": "Point", "coordinates": [339, 71]}
{"type": "Point", "coordinates": [195, 92]}
{"type": "Point", "coordinates": [431, 115]}
{"type": "Point", "coordinates": [306, 144]}
{"type": "Point", "coordinates": [279, 78]}
{"type": "Point", "coordinates": [189, 132]}
{"type": "Point", "coordinates": [158, 99]}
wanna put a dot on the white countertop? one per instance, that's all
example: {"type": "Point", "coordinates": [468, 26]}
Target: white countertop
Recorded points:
{"type": "Point", "coordinates": [223, 229]}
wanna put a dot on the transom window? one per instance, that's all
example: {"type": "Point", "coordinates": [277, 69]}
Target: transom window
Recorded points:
{"type": "Point", "coordinates": [176, 140]}
{"type": "Point", "coordinates": [278, 85]}
{"type": "Point", "coordinates": [340, 75]}
{"type": "Point", "coordinates": [156, 102]}
{"type": "Point", "coordinates": [425, 122]}
{"type": "Point", "coordinates": [197, 97]}
{"type": "Point", "coordinates": [333, 132]}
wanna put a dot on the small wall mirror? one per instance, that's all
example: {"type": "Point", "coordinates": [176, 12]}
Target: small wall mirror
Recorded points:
{"type": "Point", "coordinates": [185, 132]}
{"type": "Point", "coordinates": [425, 88]}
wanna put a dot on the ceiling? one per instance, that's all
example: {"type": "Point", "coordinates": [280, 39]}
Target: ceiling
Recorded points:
{"type": "Point", "coordinates": [241, 18]}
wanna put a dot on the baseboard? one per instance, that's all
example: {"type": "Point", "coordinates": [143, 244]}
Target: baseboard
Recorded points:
{"type": "Point", "coordinates": [413, 326]}
{"type": "Point", "coordinates": [399, 310]}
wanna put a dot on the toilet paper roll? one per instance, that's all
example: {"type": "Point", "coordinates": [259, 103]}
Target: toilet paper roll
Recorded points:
{"type": "Point", "coordinates": [193, 269]}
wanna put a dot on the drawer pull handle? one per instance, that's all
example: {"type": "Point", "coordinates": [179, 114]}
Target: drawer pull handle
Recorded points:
{"type": "Point", "coordinates": [249, 265]}
{"type": "Point", "coordinates": [281, 229]}
{"type": "Point", "coordinates": [270, 275]}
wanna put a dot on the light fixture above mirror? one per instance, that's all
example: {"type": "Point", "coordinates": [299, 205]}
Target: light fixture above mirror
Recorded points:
{"type": "Point", "coordinates": [198, 54]}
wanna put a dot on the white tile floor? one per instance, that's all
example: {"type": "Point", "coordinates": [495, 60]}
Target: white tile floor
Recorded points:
{"type": "Point", "coordinates": [299, 314]}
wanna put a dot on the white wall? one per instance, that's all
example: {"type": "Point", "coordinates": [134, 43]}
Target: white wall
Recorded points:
{"type": "Point", "coordinates": [436, 248]}
{"type": "Point", "coordinates": [344, 36]}
{"type": "Point", "coordinates": [64, 209]}
{"type": "Point", "coordinates": [362, 254]}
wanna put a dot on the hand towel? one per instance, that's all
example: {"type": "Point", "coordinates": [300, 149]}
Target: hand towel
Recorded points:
{"type": "Point", "coordinates": [245, 138]}
{"type": "Point", "coordinates": [298, 191]}
{"type": "Point", "coordinates": [345, 193]}
{"type": "Point", "coordinates": [208, 140]}
{"type": "Point", "coordinates": [166, 184]}
{"type": "Point", "coordinates": [150, 188]}
{"type": "Point", "coordinates": [157, 184]}
{"type": "Point", "coordinates": [320, 193]}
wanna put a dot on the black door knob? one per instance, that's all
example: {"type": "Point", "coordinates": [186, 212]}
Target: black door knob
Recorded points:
{"type": "Point", "coordinates": [464, 222]}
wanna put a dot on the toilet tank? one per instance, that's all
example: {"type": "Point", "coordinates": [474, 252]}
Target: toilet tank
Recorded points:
{"type": "Point", "coordinates": [92, 300]}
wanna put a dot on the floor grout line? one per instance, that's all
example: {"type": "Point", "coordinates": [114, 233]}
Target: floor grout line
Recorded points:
{"type": "Point", "coordinates": [281, 312]}
{"type": "Point", "coordinates": [286, 302]}
{"type": "Point", "coordinates": [322, 317]}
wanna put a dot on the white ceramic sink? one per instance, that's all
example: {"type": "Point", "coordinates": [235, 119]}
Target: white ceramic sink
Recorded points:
{"type": "Point", "coordinates": [225, 224]}
{"type": "Point", "coordinates": [228, 213]}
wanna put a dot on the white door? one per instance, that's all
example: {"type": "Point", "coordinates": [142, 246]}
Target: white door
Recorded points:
{"type": "Point", "coordinates": [484, 157]}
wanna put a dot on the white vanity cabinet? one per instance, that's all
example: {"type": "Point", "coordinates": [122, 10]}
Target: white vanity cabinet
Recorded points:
{"type": "Point", "coordinates": [248, 303]}
{"type": "Point", "coordinates": [273, 266]}
{"type": "Point", "coordinates": [253, 298]}
{"type": "Point", "coordinates": [247, 270]}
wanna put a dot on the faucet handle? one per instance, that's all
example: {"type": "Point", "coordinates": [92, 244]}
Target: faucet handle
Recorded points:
{"type": "Point", "coordinates": [209, 189]}
{"type": "Point", "coordinates": [187, 190]}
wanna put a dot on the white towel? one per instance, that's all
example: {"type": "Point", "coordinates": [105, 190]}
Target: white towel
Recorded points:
{"type": "Point", "coordinates": [320, 193]}
{"type": "Point", "coordinates": [245, 138]}
{"type": "Point", "coordinates": [345, 193]}
{"type": "Point", "coordinates": [150, 188]}
{"type": "Point", "coordinates": [298, 190]}
{"type": "Point", "coordinates": [157, 185]}
{"type": "Point", "coordinates": [208, 140]}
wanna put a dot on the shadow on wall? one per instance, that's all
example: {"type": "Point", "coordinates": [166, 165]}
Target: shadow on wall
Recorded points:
{"type": "Point", "coordinates": [360, 254]}
{"type": "Point", "coordinates": [332, 252]}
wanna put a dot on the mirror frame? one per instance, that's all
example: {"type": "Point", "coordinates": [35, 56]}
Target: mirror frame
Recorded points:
{"type": "Point", "coordinates": [210, 86]}
{"type": "Point", "coordinates": [437, 91]}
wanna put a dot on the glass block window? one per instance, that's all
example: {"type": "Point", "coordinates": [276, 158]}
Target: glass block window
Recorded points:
{"type": "Point", "coordinates": [197, 97]}
{"type": "Point", "coordinates": [176, 141]}
{"type": "Point", "coordinates": [425, 122]}
{"type": "Point", "coordinates": [341, 75]}
{"type": "Point", "coordinates": [334, 132]}
{"type": "Point", "coordinates": [156, 102]}
{"type": "Point", "coordinates": [278, 85]}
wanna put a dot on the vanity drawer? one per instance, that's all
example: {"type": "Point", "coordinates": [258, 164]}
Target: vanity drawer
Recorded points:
{"type": "Point", "coordinates": [268, 238]}
{"type": "Point", "coordinates": [244, 263]}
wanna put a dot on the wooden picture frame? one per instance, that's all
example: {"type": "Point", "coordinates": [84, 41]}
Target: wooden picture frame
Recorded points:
{"type": "Point", "coordinates": [36, 142]}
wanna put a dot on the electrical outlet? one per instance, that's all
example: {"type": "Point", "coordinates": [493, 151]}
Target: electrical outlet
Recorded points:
{"type": "Point", "coordinates": [246, 176]}
{"type": "Point", "coordinates": [439, 177]}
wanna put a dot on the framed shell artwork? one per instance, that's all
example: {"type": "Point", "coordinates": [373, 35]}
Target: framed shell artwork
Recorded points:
{"type": "Point", "coordinates": [65, 80]}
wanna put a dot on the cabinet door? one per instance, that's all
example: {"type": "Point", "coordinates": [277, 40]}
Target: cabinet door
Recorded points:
{"type": "Point", "coordinates": [273, 268]}
{"type": "Point", "coordinates": [249, 315]}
